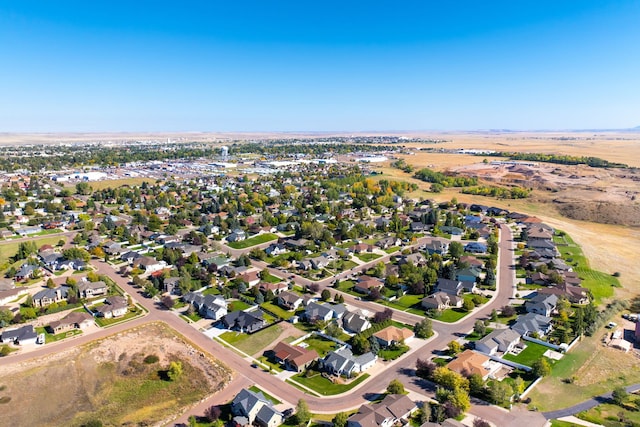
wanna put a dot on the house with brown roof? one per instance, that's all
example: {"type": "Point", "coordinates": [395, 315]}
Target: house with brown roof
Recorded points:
{"type": "Point", "coordinates": [289, 300]}
{"type": "Point", "coordinates": [392, 335]}
{"type": "Point", "coordinates": [441, 301]}
{"type": "Point", "coordinates": [393, 409]}
{"type": "Point", "coordinates": [73, 320]}
{"type": "Point", "coordinates": [469, 362]}
{"type": "Point", "coordinates": [293, 358]}
{"type": "Point", "coordinates": [366, 283]}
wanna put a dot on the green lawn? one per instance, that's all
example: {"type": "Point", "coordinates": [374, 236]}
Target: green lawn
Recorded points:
{"type": "Point", "coordinates": [212, 290]}
{"type": "Point", "coordinates": [529, 355]}
{"type": "Point", "coordinates": [49, 338]}
{"type": "Point", "coordinates": [366, 257]}
{"type": "Point", "coordinates": [280, 312]}
{"type": "Point", "coordinates": [346, 286]}
{"type": "Point", "coordinates": [392, 249]}
{"type": "Point", "coordinates": [133, 312]}
{"type": "Point", "coordinates": [9, 249]}
{"type": "Point", "coordinates": [256, 240]}
{"type": "Point", "coordinates": [451, 315]}
{"type": "Point", "coordinates": [270, 278]}
{"type": "Point", "coordinates": [608, 414]}
{"type": "Point", "coordinates": [254, 343]}
{"type": "Point", "coordinates": [321, 345]}
{"type": "Point", "coordinates": [392, 354]}
{"type": "Point", "coordinates": [324, 386]}
{"type": "Point", "coordinates": [237, 305]}
{"type": "Point", "coordinates": [408, 303]}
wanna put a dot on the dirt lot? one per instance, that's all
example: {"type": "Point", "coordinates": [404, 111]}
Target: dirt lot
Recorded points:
{"type": "Point", "coordinates": [110, 380]}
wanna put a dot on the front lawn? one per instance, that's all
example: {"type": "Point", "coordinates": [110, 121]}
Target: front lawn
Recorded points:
{"type": "Point", "coordinates": [529, 355]}
{"type": "Point", "coordinates": [49, 338]}
{"type": "Point", "coordinates": [278, 311]}
{"type": "Point", "coordinates": [237, 305]}
{"type": "Point", "coordinates": [324, 386]}
{"type": "Point", "coordinates": [255, 240]}
{"type": "Point", "coordinates": [393, 353]}
{"type": "Point", "coordinates": [270, 278]}
{"type": "Point", "coordinates": [451, 315]}
{"type": "Point", "coordinates": [367, 256]}
{"type": "Point", "coordinates": [265, 394]}
{"type": "Point", "coordinates": [132, 313]}
{"type": "Point", "coordinates": [254, 343]}
{"type": "Point", "coordinates": [321, 345]}
{"type": "Point", "coordinates": [392, 249]}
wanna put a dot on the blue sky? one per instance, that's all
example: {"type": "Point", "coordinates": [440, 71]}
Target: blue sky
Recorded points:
{"type": "Point", "coordinates": [318, 66]}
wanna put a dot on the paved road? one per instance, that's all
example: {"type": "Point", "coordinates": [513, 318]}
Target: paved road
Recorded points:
{"type": "Point", "coordinates": [245, 374]}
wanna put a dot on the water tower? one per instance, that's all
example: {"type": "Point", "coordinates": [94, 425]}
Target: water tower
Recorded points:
{"type": "Point", "coordinates": [224, 151]}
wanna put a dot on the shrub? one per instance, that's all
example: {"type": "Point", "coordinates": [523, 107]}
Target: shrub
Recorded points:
{"type": "Point", "coordinates": [151, 359]}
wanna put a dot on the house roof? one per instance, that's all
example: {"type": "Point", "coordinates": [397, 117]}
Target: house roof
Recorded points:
{"type": "Point", "coordinates": [531, 322]}
{"type": "Point", "coordinates": [23, 333]}
{"type": "Point", "coordinates": [300, 356]}
{"type": "Point", "coordinates": [393, 333]}
{"type": "Point", "coordinates": [471, 362]}
{"type": "Point", "coordinates": [500, 337]}
{"type": "Point", "coordinates": [392, 407]}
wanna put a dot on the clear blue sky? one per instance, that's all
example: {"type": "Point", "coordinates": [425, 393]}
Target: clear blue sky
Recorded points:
{"type": "Point", "coordinates": [318, 65]}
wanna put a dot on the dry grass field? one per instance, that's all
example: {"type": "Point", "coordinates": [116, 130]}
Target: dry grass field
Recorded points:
{"type": "Point", "coordinates": [111, 380]}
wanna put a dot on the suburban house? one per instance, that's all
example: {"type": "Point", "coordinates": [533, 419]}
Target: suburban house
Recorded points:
{"type": "Point", "coordinates": [366, 283]}
{"type": "Point", "coordinates": [388, 242]}
{"type": "Point", "coordinates": [171, 285]}
{"type": "Point", "coordinates": [441, 301]}
{"type": "Point", "coordinates": [276, 288]}
{"type": "Point", "coordinates": [343, 362]}
{"type": "Point", "coordinates": [251, 278]}
{"type": "Point", "coordinates": [393, 409]}
{"type": "Point", "coordinates": [293, 358]}
{"type": "Point", "coordinates": [575, 294]}
{"type": "Point", "coordinates": [469, 362]}
{"type": "Point", "coordinates": [454, 287]}
{"type": "Point", "coordinates": [543, 304]}
{"type": "Point", "coordinates": [275, 249]}
{"type": "Point", "coordinates": [251, 408]}
{"type": "Point", "coordinates": [48, 296]}
{"type": "Point", "coordinates": [415, 259]}
{"type": "Point", "coordinates": [503, 340]}
{"type": "Point", "coordinates": [469, 274]}
{"type": "Point", "coordinates": [73, 320]}
{"type": "Point", "coordinates": [114, 306]}
{"type": "Point", "coordinates": [22, 335]}
{"type": "Point", "coordinates": [392, 335]}
{"type": "Point", "coordinates": [209, 306]}
{"type": "Point", "coordinates": [475, 248]}
{"type": "Point", "coordinates": [6, 284]}
{"type": "Point", "coordinates": [362, 247]}
{"type": "Point", "coordinates": [25, 272]}
{"type": "Point", "coordinates": [532, 323]}
{"type": "Point", "coordinates": [9, 295]}
{"type": "Point", "coordinates": [355, 322]}
{"type": "Point", "coordinates": [130, 256]}
{"type": "Point", "coordinates": [289, 300]}
{"type": "Point", "coordinates": [243, 321]}
{"type": "Point", "coordinates": [323, 312]}
{"type": "Point", "coordinates": [237, 235]}
{"type": "Point", "coordinates": [149, 264]}
{"type": "Point", "coordinates": [439, 247]}
{"type": "Point", "coordinates": [90, 289]}
{"type": "Point", "coordinates": [454, 231]}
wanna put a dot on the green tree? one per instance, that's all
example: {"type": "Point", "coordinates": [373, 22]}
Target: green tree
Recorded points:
{"type": "Point", "coordinates": [303, 415]}
{"type": "Point", "coordinates": [476, 384]}
{"type": "Point", "coordinates": [500, 392]}
{"type": "Point", "coordinates": [423, 329]}
{"type": "Point", "coordinates": [456, 249]}
{"type": "Point", "coordinates": [50, 283]}
{"type": "Point", "coordinates": [541, 368]}
{"type": "Point", "coordinates": [175, 371]}
{"type": "Point", "coordinates": [325, 295]}
{"type": "Point", "coordinates": [340, 420]}
{"type": "Point", "coordinates": [395, 387]}
{"type": "Point", "coordinates": [468, 305]}
{"type": "Point", "coordinates": [619, 395]}
{"type": "Point", "coordinates": [454, 347]}
{"type": "Point", "coordinates": [479, 328]}
{"type": "Point", "coordinates": [360, 344]}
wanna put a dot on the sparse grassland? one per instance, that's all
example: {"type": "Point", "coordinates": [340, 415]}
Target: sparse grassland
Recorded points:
{"type": "Point", "coordinates": [254, 343]}
{"type": "Point", "coordinates": [108, 380]}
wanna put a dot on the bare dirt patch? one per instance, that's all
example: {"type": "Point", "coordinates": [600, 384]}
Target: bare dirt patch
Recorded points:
{"type": "Point", "coordinates": [110, 380]}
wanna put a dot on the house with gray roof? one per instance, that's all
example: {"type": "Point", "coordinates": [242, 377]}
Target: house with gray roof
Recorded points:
{"type": "Point", "coordinates": [253, 408]}
{"type": "Point", "coordinates": [91, 289]}
{"type": "Point", "coordinates": [532, 323]}
{"type": "Point", "coordinates": [23, 335]}
{"type": "Point", "coordinates": [323, 312]}
{"type": "Point", "coordinates": [244, 321]}
{"type": "Point", "coordinates": [48, 296]}
{"type": "Point", "coordinates": [394, 409]}
{"type": "Point", "coordinates": [355, 322]}
{"type": "Point", "coordinates": [500, 340]}
{"type": "Point", "coordinates": [543, 304]}
{"type": "Point", "coordinates": [209, 306]}
{"type": "Point", "coordinates": [343, 362]}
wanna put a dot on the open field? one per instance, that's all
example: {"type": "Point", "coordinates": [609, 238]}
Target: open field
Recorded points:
{"type": "Point", "coordinates": [595, 369]}
{"type": "Point", "coordinates": [256, 240]}
{"type": "Point", "coordinates": [110, 380]}
{"type": "Point", "coordinates": [9, 249]}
